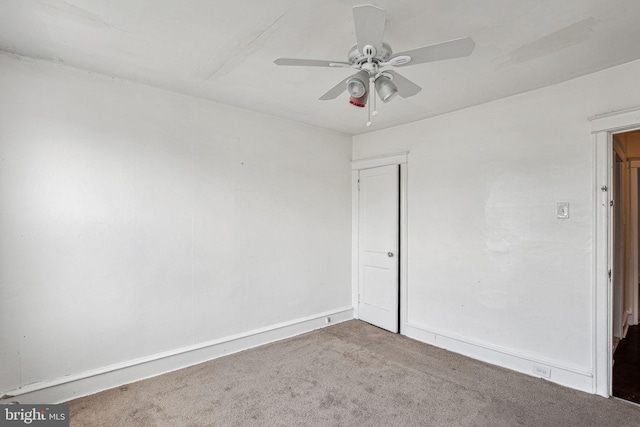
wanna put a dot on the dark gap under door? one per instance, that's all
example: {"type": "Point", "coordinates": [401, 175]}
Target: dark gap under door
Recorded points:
{"type": "Point", "coordinates": [626, 369]}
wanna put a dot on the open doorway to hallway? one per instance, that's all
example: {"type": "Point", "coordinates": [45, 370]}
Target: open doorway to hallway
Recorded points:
{"type": "Point", "coordinates": [625, 265]}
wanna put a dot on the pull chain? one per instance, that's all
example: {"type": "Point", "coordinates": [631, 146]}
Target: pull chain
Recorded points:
{"type": "Point", "coordinates": [369, 106]}
{"type": "Point", "coordinates": [373, 86]}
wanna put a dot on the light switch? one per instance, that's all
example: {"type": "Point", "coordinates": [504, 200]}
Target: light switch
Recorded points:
{"type": "Point", "coordinates": [562, 210]}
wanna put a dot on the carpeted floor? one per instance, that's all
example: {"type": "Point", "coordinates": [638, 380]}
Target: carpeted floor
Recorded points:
{"type": "Point", "coordinates": [349, 374]}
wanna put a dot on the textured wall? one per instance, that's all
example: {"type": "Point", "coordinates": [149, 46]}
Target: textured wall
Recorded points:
{"type": "Point", "coordinates": [489, 262]}
{"type": "Point", "coordinates": [136, 221]}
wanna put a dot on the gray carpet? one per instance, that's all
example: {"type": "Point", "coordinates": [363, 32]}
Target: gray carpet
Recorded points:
{"type": "Point", "coordinates": [349, 374]}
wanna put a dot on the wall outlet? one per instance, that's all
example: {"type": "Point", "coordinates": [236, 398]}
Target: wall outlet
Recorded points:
{"type": "Point", "coordinates": [542, 371]}
{"type": "Point", "coordinates": [328, 319]}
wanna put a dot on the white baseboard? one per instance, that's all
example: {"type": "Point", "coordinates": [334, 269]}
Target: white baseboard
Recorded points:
{"type": "Point", "coordinates": [74, 386]}
{"type": "Point", "coordinates": [568, 376]}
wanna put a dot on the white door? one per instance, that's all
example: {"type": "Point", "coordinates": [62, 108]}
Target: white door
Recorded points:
{"type": "Point", "coordinates": [378, 234]}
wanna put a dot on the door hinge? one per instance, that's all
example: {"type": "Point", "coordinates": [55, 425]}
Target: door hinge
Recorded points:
{"type": "Point", "coordinates": [609, 274]}
{"type": "Point", "coordinates": [611, 203]}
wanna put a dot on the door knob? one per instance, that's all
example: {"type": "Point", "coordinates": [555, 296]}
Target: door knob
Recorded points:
{"type": "Point", "coordinates": [390, 254]}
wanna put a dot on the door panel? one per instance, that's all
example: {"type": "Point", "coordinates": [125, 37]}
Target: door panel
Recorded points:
{"type": "Point", "coordinates": [377, 293]}
{"type": "Point", "coordinates": [378, 246]}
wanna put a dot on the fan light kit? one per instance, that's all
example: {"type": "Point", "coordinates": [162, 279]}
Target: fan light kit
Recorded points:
{"type": "Point", "coordinates": [370, 54]}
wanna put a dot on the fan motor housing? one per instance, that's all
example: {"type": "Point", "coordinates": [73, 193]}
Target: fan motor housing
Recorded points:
{"type": "Point", "coordinates": [356, 58]}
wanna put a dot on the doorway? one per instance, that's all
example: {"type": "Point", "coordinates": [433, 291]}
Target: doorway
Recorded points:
{"type": "Point", "coordinates": [603, 128]}
{"type": "Point", "coordinates": [624, 265]}
{"type": "Point", "coordinates": [379, 241]}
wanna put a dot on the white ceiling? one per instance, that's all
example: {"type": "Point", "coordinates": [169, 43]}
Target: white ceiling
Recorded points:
{"type": "Point", "coordinates": [224, 51]}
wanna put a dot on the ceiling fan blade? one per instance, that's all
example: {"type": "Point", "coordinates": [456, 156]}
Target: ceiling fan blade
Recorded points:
{"type": "Point", "coordinates": [406, 87]}
{"type": "Point", "coordinates": [437, 52]}
{"type": "Point", "coordinates": [310, 63]}
{"type": "Point", "coordinates": [369, 23]}
{"type": "Point", "coordinates": [336, 90]}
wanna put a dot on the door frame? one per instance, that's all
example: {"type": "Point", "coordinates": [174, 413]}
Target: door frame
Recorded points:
{"type": "Point", "coordinates": [603, 127]}
{"type": "Point", "coordinates": [357, 165]}
{"type": "Point", "coordinates": [635, 164]}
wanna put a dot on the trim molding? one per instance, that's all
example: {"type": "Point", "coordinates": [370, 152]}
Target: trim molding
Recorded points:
{"type": "Point", "coordinates": [615, 120]}
{"type": "Point", "coordinates": [90, 382]}
{"type": "Point", "coordinates": [374, 162]}
{"type": "Point", "coordinates": [602, 327]}
{"type": "Point", "coordinates": [563, 374]}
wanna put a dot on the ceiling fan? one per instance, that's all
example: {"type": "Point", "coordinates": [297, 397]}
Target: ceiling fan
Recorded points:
{"type": "Point", "coordinates": [371, 54]}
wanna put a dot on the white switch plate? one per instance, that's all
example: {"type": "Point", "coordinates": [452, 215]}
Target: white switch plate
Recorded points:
{"type": "Point", "coordinates": [562, 210]}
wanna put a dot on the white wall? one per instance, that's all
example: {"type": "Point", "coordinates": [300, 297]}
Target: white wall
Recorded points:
{"type": "Point", "coordinates": [136, 221]}
{"type": "Point", "coordinates": [491, 272]}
